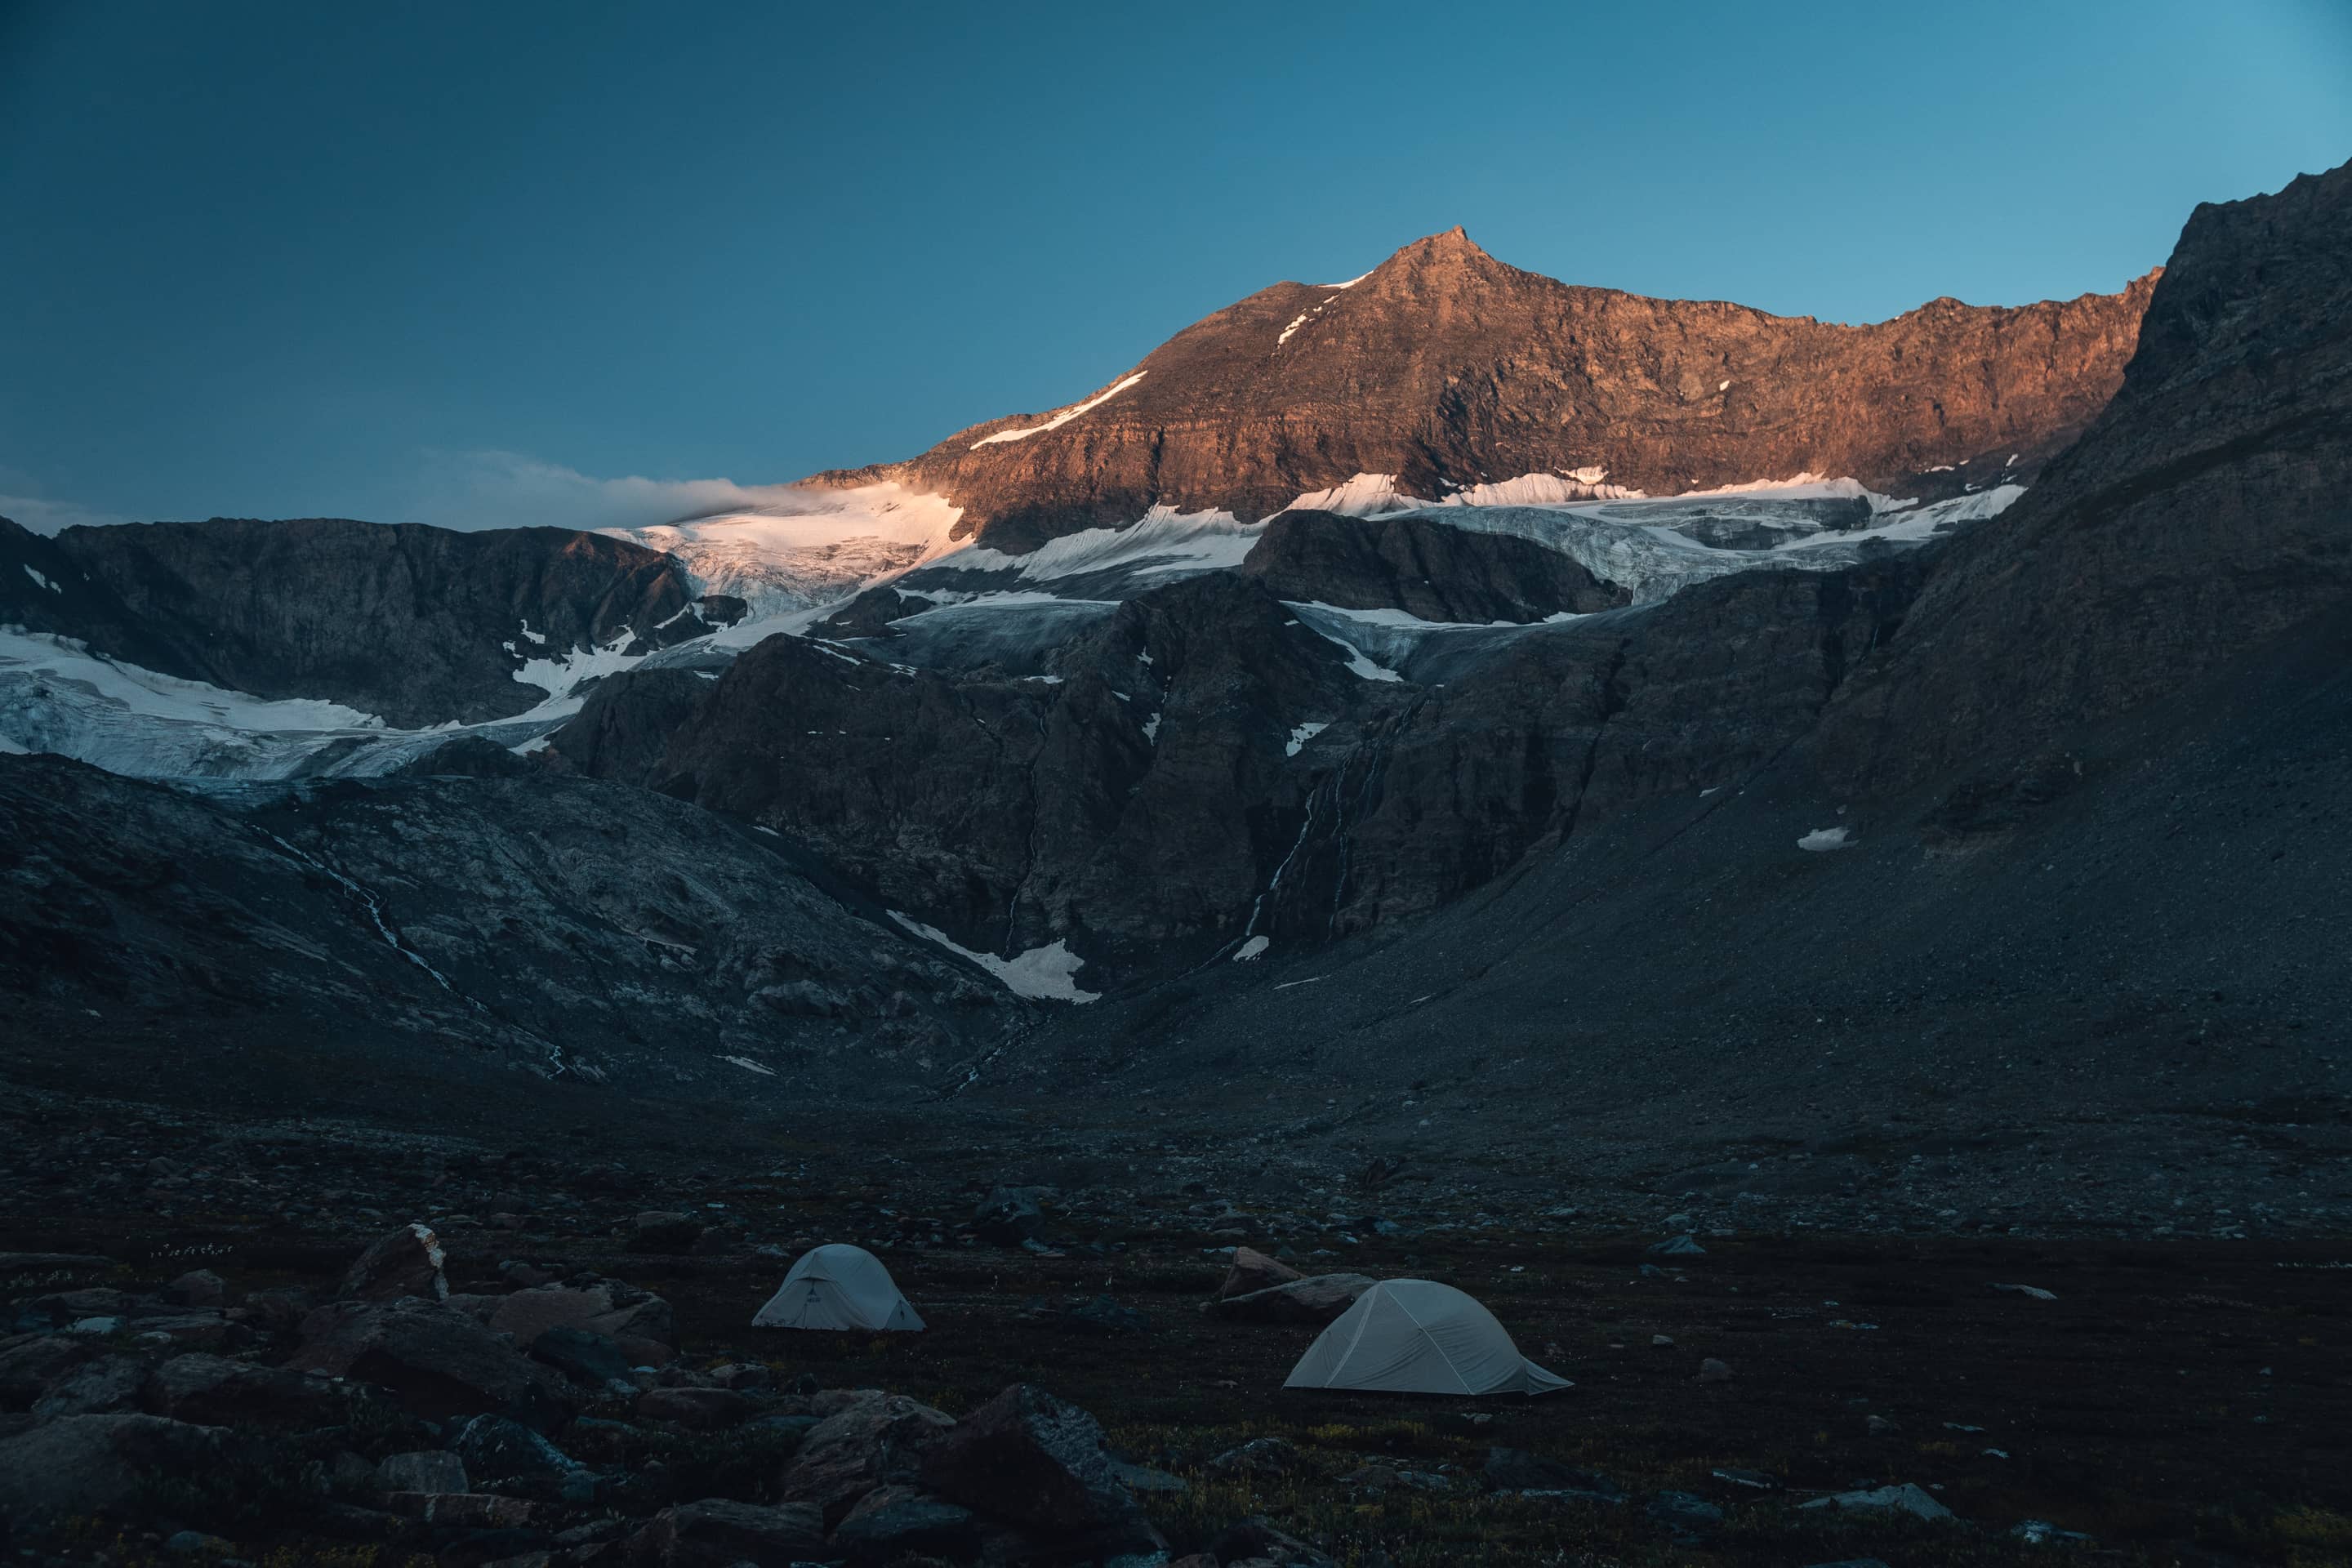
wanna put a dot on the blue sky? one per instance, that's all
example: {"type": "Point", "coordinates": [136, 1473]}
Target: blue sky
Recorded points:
{"type": "Point", "coordinates": [465, 263]}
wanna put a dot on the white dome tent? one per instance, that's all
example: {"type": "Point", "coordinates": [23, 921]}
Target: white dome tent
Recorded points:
{"type": "Point", "coordinates": [1416, 1336]}
{"type": "Point", "coordinates": [838, 1287]}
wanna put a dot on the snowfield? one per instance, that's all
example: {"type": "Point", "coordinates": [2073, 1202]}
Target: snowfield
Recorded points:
{"type": "Point", "coordinates": [816, 548]}
{"type": "Point", "coordinates": [1042, 973]}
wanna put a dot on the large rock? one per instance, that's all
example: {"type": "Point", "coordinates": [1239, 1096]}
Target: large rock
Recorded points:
{"type": "Point", "coordinates": [664, 1230]}
{"type": "Point", "coordinates": [1031, 1458]}
{"type": "Point", "coordinates": [500, 1452]}
{"type": "Point", "coordinates": [583, 1356]}
{"type": "Point", "coordinates": [434, 1361]}
{"type": "Point", "coordinates": [879, 1438]}
{"type": "Point", "coordinates": [638, 1322]}
{"type": "Point", "coordinates": [215, 1391]}
{"type": "Point", "coordinates": [892, 1522]}
{"type": "Point", "coordinates": [720, 1533]}
{"type": "Point", "coordinates": [29, 1367]}
{"type": "Point", "coordinates": [1516, 1470]}
{"type": "Point", "coordinates": [91, 1464]}
{"type": "Point", "coordinates": [705, 1409]}
{"type": "Point", "coordinates": [406, 1262]}
{"type": "Point", "coordinates": [1318, 1299]}
{"type": "Point", "coordinates": [1010, 1216]}
{"type": "Point", "coordinates": [110, 1382]}
{"type": "Point", "coordinates": [1254, 1272]}
{"type": "Point", "coordinates": [426, 1470]}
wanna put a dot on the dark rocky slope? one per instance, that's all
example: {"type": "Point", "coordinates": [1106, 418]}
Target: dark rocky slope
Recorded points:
{"type": "Point", "coordinates": [2207, 508]}
{"type": "Point", "coordinates": [1425, 569]}
{"type": "Point", "coordinates": [1204, 766]}
{"type": "Point", "coordinates": [272, 942]}
{"type": "Point", "coordinates": [1448, 368]}
{"type": "Point", "coordinates": [418, 625]}
{"type": "Point", "coordinates": [2137, 977]}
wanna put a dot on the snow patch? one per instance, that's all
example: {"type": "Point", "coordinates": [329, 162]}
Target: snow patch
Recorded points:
{"type": "Point", "coordinates": [812, 547]}
{"type": "Point", "coordinates": [748, 1064]}
{"type": "Point", "coordinates": [1542, 489]}
{"type": "Point", "coordinates": [1253, 948]}
{"type": "Point", "coordinates": [1824, 838]}
{"type": "Point", "coordinates": [1058, 420]}
{"type": "Point", "coordinates": [1046, 973]}
{"type": "Point", "coordinates": [1301, 735]}
{"type": "Point", "coordinates": [1162, 539]}
{"type": "Point", "coordinates": [42, 581]}
{"type": "Point", "coordinates": [1365, 495]}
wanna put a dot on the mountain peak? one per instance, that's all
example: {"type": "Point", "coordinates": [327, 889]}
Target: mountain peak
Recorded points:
{"type": "Point", "coordinates": [1452, 246]}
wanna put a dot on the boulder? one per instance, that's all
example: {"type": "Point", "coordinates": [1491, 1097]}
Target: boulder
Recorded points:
{"type": "Point", "coordinates": [893, 1522]}
{"type": "Point", "coordinates": [720, 1533]}
{"type": "Point", "coordinates": [198, 1288]}
{"type": "Point", "coordinates": [1031, 1458]}
{"type": "Point", "coordinates": [1516, 1470]}
{"type": "Point", "coordinates": [704, 1409]}
{"type": "Point", "coordinates": [1010, 1216]}
{"type": "Point", "coordinates": [499, 1452]}
{"type": "Point", "coordinates": [435, 1362]}
{"type": "Point", "coordinates": [878, 1439]}
{"type": "Point", "coordinates": [91, 1464]}
{"type": "Point", "coordinates": [664, 1230]}
{"type": "Point", "coordinates": [1265, 1457]}
{"type": "Point", "coordinates": [638, 1322]}
{"type": "Point", "coordinates": [406, 1262]}
{"type": "Point", "coordinates": [108, 1384]}
{"type": "Point", "coordinates": [31, 1365]}
{"type": "Point", "coordinates": [582, 1355]}
{"type": "Point", "coordinates": [1317, 1301]}
{"type": "Point", "coordinates": [1257, 1539]}
{"type": "Point", "coordinates": [462, 1510]}
{"type": "Point", "coordinates": [1713, 1370]}
{"type": "Point", "coordinates": [1254, 1272]}
{"type": "Point", "coordinates": [1685, 1512]}
{"type": "Point", "coordinates": [1104, 1317]}
{"type": "Point", "coordinates": [1906, 1498]}
{"type": "Point", "coordinates": [214, 1391]}
{"type": "Point", "coordinates": [432, 1472]}
{"type": "Point", "coordinates": [1678, 1246]}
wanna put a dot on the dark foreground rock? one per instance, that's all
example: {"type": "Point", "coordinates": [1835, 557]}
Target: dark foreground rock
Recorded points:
{"type": "Point", "coordinates": [1031, 1458]}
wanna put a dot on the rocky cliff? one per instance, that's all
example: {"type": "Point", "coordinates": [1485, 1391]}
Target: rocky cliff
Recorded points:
{"type": "Point", "coordinates": [1448, 369]}
{"type": "Point", "coordinates": [417, 624]}
{"type": "Point", "coordinates": [2206, 509]}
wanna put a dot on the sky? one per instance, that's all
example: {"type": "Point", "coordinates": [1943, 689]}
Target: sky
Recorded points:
{"type": "Point", "coordinates": [590, 264]}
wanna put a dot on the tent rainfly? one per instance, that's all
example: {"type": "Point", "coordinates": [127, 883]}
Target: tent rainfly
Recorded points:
{"type": "Point", "coordinates": [837, 1287]}
{"type": "Point", "coordinates": [1416, 1336]}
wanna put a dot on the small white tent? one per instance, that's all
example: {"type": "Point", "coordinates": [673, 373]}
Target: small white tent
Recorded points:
{"type": "Point", "coordinates": [1416, 1336]}
{"type": "Point", "coordinates": [837, 1287]}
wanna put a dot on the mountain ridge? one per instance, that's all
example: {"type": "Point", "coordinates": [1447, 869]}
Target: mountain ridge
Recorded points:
{"type": "Point", "coordinates": [1446, 367]}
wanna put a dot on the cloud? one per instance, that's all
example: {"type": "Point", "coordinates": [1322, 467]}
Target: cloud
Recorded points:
{"type": "Point", "coordinates": [44, 516]}
{"type": "Point", "coordinates": [507, 490]}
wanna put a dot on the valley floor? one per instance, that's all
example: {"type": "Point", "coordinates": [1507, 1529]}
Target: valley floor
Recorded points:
{"type": "Point", "coordinates": [2177, 1400]}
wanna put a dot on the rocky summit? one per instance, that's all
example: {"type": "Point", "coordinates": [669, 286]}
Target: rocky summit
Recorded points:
{"type": "Point", "coordinates": [1445, 369]}
{"type": "Point", "coordinates": [1801, 871]}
